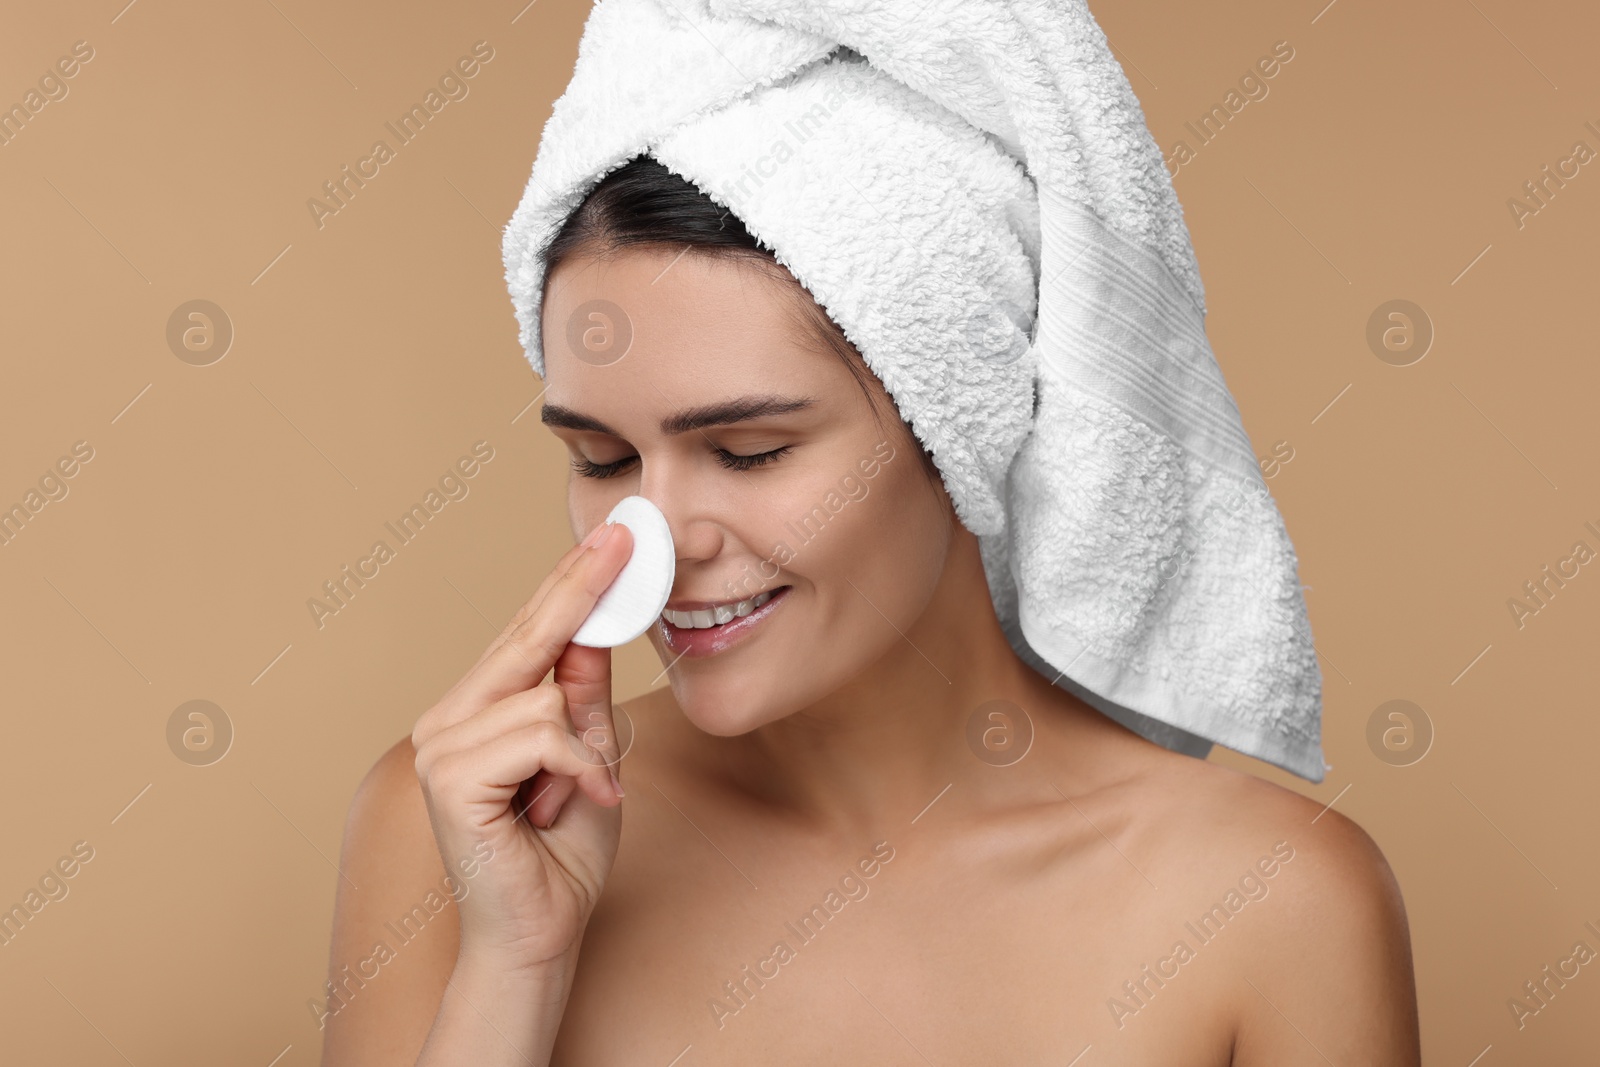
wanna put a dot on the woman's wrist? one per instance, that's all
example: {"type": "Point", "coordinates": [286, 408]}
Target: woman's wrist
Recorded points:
{"type": "Point", "coordinates": [493, 1012]}
{"type": "Point", "coordinates": [494, 967]}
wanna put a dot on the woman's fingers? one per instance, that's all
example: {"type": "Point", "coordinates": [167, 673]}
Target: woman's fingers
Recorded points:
{"type": "Point", "coordinates": [539, 639]}
{"type": "Point", "coordinates": [545, 703]}
{"type": "Point", "coordinates": [541, 797]}
{"type": "Point", "coordinates": [584, 675]}
{"type": "Point", "coordinates": [532, 603]}
{"type": "Point", "coordinates": [546, 795]}
{"type": "Point", "coordinates": [530, 647]}
{"type": "Point", "coordinates": [542, 703]}
{"type": "Point", "coordinates": [487, 775]}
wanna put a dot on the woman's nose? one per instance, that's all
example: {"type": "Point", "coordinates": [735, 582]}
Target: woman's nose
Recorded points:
{"type": "Point", "coordinates": [694, 536]}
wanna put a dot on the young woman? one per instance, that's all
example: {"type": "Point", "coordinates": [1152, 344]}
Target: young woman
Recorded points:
{"type": "Point", "coordinates": [815, 862]}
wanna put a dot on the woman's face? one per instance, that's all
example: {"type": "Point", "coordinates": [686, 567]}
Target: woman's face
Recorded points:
{"type": "Point", "coordinates": [690, 381]}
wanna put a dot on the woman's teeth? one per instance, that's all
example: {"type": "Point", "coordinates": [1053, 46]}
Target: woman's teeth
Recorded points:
{"type": "Point", "coordinates": [700, 620]}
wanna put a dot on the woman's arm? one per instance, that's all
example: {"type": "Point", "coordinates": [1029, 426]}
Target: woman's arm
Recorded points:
{"type": "Point", "coordinates": [1329, 979]}
{"type": "Point", "coordinates": [492, 1017]}
{"type": "Point", "coordinates": [388, 962]}
{"type": "Point", "coordinates": [477, 848]}
{"type": "Point", "coordinates": [397, 981]}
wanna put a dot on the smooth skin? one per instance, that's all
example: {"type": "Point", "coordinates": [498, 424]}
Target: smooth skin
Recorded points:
{"type": "Point", "coordinates": [960, 911]}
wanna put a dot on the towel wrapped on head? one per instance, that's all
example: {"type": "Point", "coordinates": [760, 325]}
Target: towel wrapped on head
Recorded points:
{"type": "Point", "coordinates": [970, 190]}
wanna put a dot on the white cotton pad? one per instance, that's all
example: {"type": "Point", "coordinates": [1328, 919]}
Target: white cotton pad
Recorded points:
{"type": "Point", "coordinates": [634, 599]}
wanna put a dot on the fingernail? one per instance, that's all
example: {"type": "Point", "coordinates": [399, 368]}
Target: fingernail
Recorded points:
{"type": "Point", "coordinates": [598, 535]}
{"type": "Point", "coordinates": [617, 785]}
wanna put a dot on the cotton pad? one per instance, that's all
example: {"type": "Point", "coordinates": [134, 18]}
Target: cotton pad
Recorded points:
{"type": "Point", "coordinates": [634, 599]}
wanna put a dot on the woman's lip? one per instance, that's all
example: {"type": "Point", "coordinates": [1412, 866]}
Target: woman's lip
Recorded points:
{"type": "Point", "coordinates": [696, 643]}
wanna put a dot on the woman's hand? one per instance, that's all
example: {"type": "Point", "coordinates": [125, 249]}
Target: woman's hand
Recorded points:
{"type": "Point", "coordinates": [518, 774]}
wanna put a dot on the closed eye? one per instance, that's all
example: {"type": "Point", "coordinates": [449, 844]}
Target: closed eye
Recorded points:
{"type": "Point", "coordinates": [728, 459]}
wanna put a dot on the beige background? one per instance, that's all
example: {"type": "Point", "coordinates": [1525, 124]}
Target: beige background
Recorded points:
{"type": "Point", "coordinates": [372, 352]}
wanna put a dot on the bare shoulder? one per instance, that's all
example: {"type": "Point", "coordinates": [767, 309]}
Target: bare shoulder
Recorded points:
{"type": "Point", "coordinates": [1305, 903]}
{"type": "Point", "coordinates": [390, 781]}
{"type": "Point", "coordinates": [1211, 812]}
{"type": "Point", "coordinates": [395, 929]}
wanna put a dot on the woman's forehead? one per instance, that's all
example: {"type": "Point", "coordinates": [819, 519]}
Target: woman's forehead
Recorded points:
{"type": "Point", "coordinates": [709, 326]}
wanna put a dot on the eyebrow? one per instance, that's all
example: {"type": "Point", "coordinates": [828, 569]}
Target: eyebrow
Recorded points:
{"type": "Point", "coordinates": [741, 409]}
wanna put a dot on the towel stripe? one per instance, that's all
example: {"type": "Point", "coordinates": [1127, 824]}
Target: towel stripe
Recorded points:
{"type": "Point", "coordinates": [1116, 323]}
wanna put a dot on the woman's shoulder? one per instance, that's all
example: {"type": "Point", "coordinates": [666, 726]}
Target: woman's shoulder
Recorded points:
{"type": "Point", "coordinates": [386, 810]}
{"type": "Point", "coordinates": [1199, 819]}
{"type": "Point", "coordinates": [1302, 897]}
{"type": "Point", "coordinates": [1205, 818]}
{"type": "Point", "coordinates": [395, 768]}
{"type": "Point", "coordinates": [394, 899]}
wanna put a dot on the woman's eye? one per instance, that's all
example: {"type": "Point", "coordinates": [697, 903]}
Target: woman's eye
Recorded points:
{"type": "Point", "coordinates": [589, 469]}
{"type": "Point", "coordinates": [744, 463]}
{"type": "Point", "coordinates": [600, 470]}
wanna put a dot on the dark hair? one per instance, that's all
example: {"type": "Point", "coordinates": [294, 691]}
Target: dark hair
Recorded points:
{"type": "Point", "coordinates": [642, 203]}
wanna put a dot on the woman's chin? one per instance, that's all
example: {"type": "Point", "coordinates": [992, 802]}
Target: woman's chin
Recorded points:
{"type": "Point", "coordinates": [719, 719]}
{"type": "Point", "coordinates": [720, 713]}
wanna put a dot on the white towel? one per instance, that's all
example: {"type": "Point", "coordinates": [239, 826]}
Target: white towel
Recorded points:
{"type": "Point", "coordinates": [970, 190]}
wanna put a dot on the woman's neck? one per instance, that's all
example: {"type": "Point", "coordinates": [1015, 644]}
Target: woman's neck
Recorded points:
{"type": "Point", "coordinates": [885, 745]}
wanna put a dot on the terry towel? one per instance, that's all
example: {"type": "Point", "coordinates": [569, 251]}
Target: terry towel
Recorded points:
{"type": "Point", "coordinates": [970, 190]}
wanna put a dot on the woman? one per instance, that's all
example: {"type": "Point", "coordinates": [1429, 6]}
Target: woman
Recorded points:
{"type": "Point", "coordinates": [1007, 905]}
{"type": "Point", "coordinates": [863, 822]}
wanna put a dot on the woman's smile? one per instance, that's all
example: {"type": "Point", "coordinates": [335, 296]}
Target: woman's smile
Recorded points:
{"type": "Point", "coordinates": [700, 633]}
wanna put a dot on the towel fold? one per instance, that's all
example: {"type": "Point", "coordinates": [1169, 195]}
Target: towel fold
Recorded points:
{"type": "Point", "coordinates": [970, 190]}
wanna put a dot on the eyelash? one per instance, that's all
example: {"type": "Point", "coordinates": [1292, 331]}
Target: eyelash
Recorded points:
{"type": "Point", "coordinates": [733, 462]}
